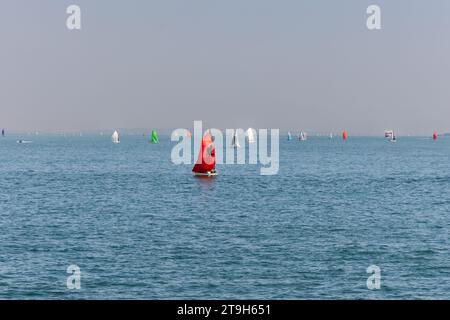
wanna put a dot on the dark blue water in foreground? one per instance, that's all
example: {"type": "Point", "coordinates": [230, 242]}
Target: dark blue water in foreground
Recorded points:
{"type": "Point", "coordinates": [140, 227]}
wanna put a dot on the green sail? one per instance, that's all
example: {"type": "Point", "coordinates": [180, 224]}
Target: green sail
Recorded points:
{"type": "Point", "coordinates": [154, 137]}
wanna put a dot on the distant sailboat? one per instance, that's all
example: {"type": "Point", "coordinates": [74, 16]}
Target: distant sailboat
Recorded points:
{"type": "Point", "coordinates": [302, 136]}
{"type": "Point", "coordinates": [250, 135]}
{"type": "Point", "coordinates": [435, 136]}
{"type": "Point", "coordinates": [3, 132]}
{"type": "Point", "coordinates": [206, 162]}
{"type": "Point", "coordinates": [115, 138]}
{"type": "Point", "coordinates": [345, 135]}
{"type": "Point", "coordinates": [154, 138]}
{"type": "Point", "coordinates": [235, 141]}
{"type": "Point", "coordinates": [331, 135]}
{"type": "Point", "coordinates": [289, 136]}
{"type": "Point", "coordinates": [388, 133]}
{"type": "Point", "coordinates": [393, 138]}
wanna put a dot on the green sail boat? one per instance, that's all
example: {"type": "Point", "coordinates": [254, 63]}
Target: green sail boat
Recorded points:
{"type": "Point", "coordinates": [154, 138]}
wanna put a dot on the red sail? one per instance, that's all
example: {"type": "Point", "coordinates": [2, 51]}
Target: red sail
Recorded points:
{"type": "Point", "coordinates": [345, 135]}
{"type": "Point", "coordinates": [435, 136]}
{"type": "Point", "coordinates": [207, 156]}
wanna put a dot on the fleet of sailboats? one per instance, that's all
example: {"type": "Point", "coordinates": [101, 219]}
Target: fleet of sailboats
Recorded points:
{"type": "Point", "coordinates": [250, 136]}
{"type": "Point", "coordinates": [206, 163]}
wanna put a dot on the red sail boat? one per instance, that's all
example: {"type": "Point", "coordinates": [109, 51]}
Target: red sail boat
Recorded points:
{"type": "Point", "coordinates": [206, 162]}
{"type": "Point", "coordinates": [344, 135]}
{"type": "Point", "coordinates": [435, 136]}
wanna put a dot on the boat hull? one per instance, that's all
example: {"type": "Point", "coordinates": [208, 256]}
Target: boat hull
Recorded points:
{"type": "Point", "coordinates": [205, 174]}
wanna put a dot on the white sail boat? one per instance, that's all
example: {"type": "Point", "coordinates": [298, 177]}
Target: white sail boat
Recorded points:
{"type": "Point", "coordinates": [289, 136]}
{"type": "Point", "coordinates": [115, 138]}
{"type": "Point", "coordinates": [235, 141]}
{"type": "Point", "coordinates": [393, 138]}
{"type": "Point", "coordinates": [331, 135]}
{"type": "Point", "coordinates": [250, 135]}
{"type": "Point", "coordinates": [390, 134]}
{"type": "Point", "coordinates": [302, 136]}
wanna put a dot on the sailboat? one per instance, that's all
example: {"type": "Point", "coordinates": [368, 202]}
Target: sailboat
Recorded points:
{"type": "Point", "coordinates": [250, 135]}
{"type": "Point", "coordinates": [388, 133]}
{"type": "Point", "coordinates": [115, 138]}
{"type": "Point", "coordinates": [206, 162]}
{"type": "Point", "coordinates": [344, 135]}
{"type": "Point", "coordinates": [154, 138]}
{"type": "Point", "coordinates": [3, 132]}
{"type": "Point", "coordinates": [393, 138]}
{"type": "Point", "coordinates": [435, 136]}
{"type": "Point", "coordinates": [302, 136]}
{"type": "Point", "coordinates": [289, 136]}
{"type": "Point", "coordinates": [331, 135]}
{"type": "Point", "coordinates": [235, 141]}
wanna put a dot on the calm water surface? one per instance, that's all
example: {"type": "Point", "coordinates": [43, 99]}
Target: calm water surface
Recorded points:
{"type": "Point", "coordinates": [140, 227]}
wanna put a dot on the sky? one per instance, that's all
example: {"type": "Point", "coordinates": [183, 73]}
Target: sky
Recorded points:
{"type": "Point", "coordinates": [288, 64]}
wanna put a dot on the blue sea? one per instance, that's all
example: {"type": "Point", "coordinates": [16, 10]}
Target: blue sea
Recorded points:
{"type": "Point", "coordinates": [140, 227]}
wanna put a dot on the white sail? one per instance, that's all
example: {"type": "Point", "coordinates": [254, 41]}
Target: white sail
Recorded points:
{"type": "Point", "coordinates": [302, 136]}
{"type": "Point", "coordinates": [115, 137]}
{"type": "Point", "coordinates": [235, 141]}
{"type": "Point", "coordinates": [250, 135]}
{"type": "Point", "coordinates": [393, 137]}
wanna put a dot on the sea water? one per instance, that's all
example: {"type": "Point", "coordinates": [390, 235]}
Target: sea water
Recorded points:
{"type": "Point", "coordinates": [139, 227]}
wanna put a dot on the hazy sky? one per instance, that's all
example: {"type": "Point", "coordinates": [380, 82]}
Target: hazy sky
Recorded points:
{"type": "Point", "coordinates": [309, 65]}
